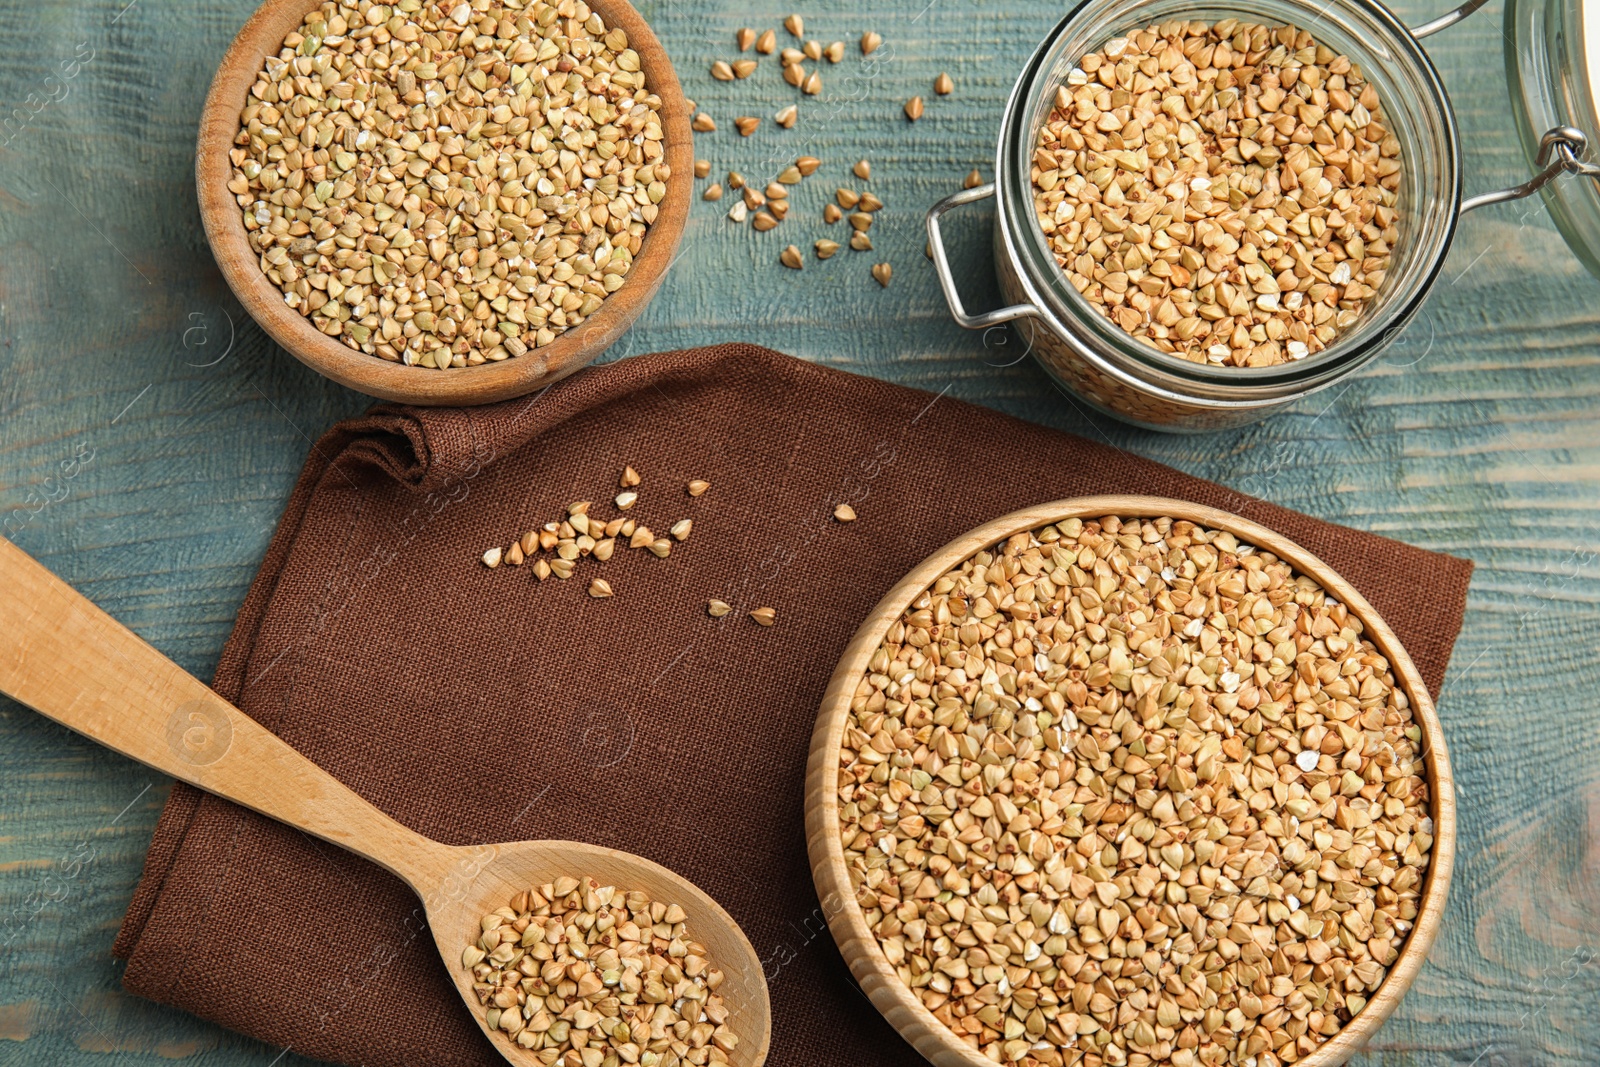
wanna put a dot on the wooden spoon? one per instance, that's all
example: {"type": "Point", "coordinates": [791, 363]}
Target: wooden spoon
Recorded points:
{"type": "Point", "coordinates": [73, 663]}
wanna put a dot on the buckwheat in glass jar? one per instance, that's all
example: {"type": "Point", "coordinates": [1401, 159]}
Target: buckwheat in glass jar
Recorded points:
{"type": "Point", "coordinates": [1122, 791]}
{"type": "Point", "coordinates": [443, 184]}
{"type": "Point", "coordinates": [1060, 285]}
{"type": "Point", "coordinates": [1091, 354]}
{"type": "Point", "coordinates": [1225, 192]}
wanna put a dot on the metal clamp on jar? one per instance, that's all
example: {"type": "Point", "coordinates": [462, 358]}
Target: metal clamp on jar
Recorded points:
{"type": "Point", "coordinates": [1114, 371]}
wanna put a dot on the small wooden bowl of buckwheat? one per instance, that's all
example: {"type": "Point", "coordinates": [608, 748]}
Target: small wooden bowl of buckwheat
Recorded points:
{"type": "Point", "coordinates": [1123, 780]}
{"type": "Point", "coordinates": [444, 201]}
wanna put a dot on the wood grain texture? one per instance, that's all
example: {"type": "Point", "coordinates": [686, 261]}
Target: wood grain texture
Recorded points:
{"type": "Point", "coordinates": [73, 663]}
{"type": "Point", "coordinates": [145, 460]}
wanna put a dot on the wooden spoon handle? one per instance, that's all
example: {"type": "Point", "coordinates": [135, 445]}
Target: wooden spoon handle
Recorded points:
{"type": "Point", "coordinates": [70, 661]}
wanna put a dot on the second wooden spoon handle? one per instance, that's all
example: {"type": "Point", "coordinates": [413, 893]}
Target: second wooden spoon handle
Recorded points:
{"type": "Point", "coordinates": [70, 661]}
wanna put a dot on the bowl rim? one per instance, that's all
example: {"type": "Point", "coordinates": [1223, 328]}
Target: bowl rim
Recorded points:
{"type": "Point", "coordinates": [263, 35]}
{"type": "Point", "coordinates": [859, 947]}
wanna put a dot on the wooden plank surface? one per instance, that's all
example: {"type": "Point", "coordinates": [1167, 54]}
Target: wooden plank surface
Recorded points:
{"type": "Point", "coordinates": [149, 436]}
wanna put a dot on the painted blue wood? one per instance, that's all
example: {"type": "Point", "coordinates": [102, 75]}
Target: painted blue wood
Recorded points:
{"type": "Point", "coordinates": [149, 436]}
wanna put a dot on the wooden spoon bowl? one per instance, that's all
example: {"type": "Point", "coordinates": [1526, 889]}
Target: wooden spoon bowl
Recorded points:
{"type": "Point", "coordinates": [73, 663]}
{"type": "Point", "coordinates": [859, 946]}
{"type": "Point", "coordinates": [224, 225]}
{"type": "Point", "coordinates": [480, 879]}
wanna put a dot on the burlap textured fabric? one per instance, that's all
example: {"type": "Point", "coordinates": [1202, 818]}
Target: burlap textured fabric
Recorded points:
{"type": "Point", "coordinates": [477, 705]}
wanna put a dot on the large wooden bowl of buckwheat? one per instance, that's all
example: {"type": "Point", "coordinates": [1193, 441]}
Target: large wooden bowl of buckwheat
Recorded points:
{"type": "Point", "coordinates": [468, 207]}
{"type": "Point", "coordinates": [1124, 780]}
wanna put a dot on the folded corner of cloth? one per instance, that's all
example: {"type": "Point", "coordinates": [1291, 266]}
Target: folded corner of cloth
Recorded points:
{"type": "Point", "coordinates": [478, 705]}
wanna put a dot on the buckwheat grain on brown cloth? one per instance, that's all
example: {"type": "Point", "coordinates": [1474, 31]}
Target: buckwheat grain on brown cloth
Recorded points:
{"type": "Point", "coordinates": [477, 705]}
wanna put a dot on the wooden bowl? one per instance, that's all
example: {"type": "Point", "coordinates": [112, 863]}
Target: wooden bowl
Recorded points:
{"type": "Point", "coordinates": [858, 945]}
{"type": "Point", "coordinates": [263, 36]}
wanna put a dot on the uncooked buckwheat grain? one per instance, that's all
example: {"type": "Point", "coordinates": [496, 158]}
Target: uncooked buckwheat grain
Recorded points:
{"type": "Point", "coordinates": [448, 184]}
{"type": "Point", "coordinates": [1132, 792]}
{"type": "Point", "coordinates": [1225, 193]}
{"type": "Point", "coordinates": [587, 975]}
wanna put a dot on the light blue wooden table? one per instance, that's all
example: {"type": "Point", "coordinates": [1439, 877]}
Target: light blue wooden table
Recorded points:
{"type": "Point", "coordinates": [149, 436]}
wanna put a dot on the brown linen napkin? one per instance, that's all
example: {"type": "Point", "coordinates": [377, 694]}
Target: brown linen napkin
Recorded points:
{"type": "Point", "coordinates": [477, 705]}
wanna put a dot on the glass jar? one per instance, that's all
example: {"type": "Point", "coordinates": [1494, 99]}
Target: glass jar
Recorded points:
{"type": "Point", "coordinates": [1117, 373]}
{"type": "Point", "coordinates": [1553, 65]}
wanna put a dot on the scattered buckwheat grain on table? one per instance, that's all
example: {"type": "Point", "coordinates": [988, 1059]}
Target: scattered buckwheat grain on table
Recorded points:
{"type": "Point", "coordinates": [556, 547]}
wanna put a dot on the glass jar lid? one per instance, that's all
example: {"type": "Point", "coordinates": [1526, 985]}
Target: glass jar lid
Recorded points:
{"type": "Point", "coordinates": [1553, 66]}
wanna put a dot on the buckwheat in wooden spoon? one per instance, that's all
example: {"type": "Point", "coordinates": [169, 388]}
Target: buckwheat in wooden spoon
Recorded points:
{"type": "Point", "coordinates": [71, 662]}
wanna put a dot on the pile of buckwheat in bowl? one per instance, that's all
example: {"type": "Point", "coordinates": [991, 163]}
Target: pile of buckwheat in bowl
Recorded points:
{"type": "Point", "coordinates": [444, 184]}
{"type": "Point", "coordinates": [1129, 791]}
{"type": "Point", "coordinates": [1226, 193]}
{"type": "Point", "coordinates": [589, 975]}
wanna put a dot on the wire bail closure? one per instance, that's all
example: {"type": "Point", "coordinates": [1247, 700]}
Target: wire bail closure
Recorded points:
{"type": "Point", "coordinates": [1560, 152]}
{"type": "Point", "coordinates": [1446, 20]}
{"type": "Point", "coordinates": [1566, 144]}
